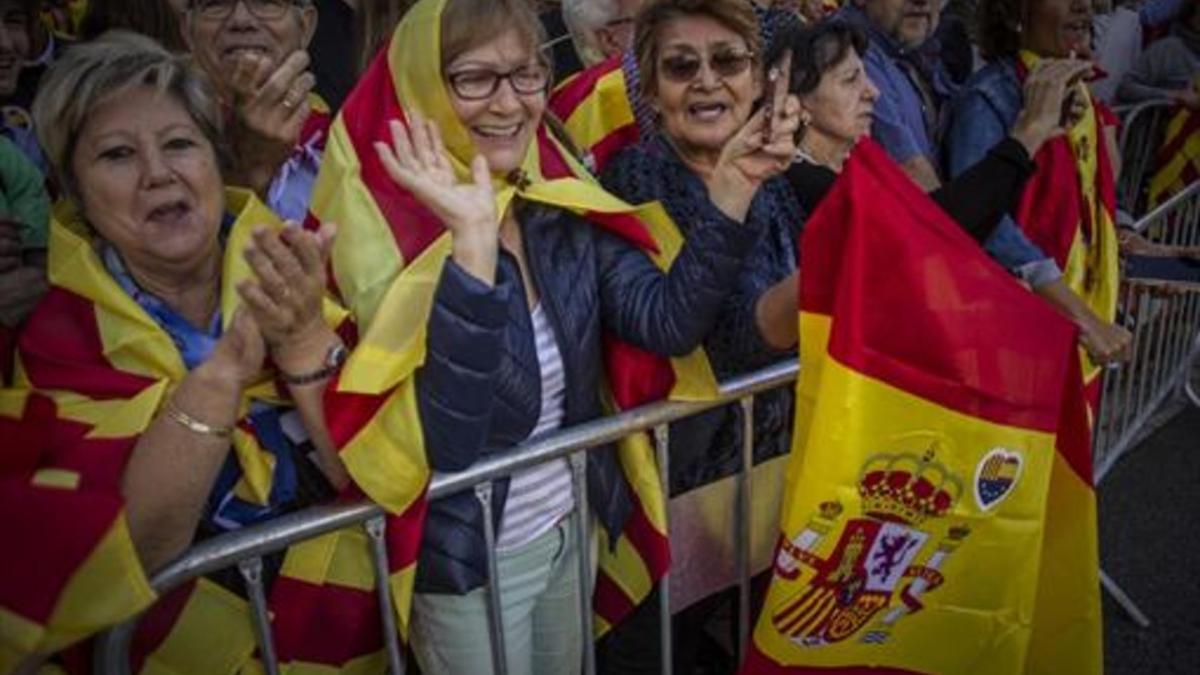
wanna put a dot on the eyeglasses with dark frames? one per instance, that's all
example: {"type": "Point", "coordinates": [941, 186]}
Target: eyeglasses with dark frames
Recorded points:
{"type": "Point", "coordinates": [263, 9]}
{"type": "Point", "coordinates": [476, 84]}
{"type": "Point", "coordinates": [725, 63]}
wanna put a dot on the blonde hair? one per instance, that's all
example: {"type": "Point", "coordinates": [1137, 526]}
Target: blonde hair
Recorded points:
{"type": "Point", "coordinates": [90, 73]}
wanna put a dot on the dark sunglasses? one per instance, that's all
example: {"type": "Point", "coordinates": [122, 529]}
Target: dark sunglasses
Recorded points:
{"type": "Point", "coordinates": [725, 63]}
{"type": "Point", "coordinates": [477, 84]}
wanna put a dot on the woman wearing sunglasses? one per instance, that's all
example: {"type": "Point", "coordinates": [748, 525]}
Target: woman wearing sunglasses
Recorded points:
{"type": "Point", "coordinates": [701, 66]}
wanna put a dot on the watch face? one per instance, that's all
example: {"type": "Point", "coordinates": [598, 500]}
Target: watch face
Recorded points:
{"type": "Point", "coordinates": [337, 355]}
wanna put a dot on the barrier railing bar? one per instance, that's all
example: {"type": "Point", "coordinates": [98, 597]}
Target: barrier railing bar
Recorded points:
{"type": "Point", "coordinates": [583, 546]}
{"type": "Point", "coordinates": [741, 526]}
{"type": "Point", "coordinates": [375, 530]}
{"type": "Point", "coordinates": [483, 492]}
{"type": "Point", "coordinates": [1124, 601]}
{"type": "Point", "coordinates": [662, 443]}
{"type": "Point", "coordinates": [251, 570]}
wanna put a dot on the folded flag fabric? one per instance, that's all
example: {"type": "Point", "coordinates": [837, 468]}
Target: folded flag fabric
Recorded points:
{"type": "Point", "coordinates": [1178, 158]}
{"type": "Point", "coordinates": [938, 514]}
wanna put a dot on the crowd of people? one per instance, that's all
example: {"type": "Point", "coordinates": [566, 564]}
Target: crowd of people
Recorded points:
{"type": "Point", "coordinates": [168, 277]}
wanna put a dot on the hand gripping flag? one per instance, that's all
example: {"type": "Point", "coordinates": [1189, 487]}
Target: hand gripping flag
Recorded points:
{"type": "Point", "coordinates": [386, 264]}
{"type": "Point", "coordinates": [1179, 157]}
{"type": "Point", "coordinates": [1069, 210]}
{"type": "Point", "coordinates": [100, 369]}
{"type": "Point", "coordinates": [938, 512]}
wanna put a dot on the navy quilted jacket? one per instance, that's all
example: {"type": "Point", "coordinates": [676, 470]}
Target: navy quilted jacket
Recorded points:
{"type": "Point", "coordinates": [479, 391]}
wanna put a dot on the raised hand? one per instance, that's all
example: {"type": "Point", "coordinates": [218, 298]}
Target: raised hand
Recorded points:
{"type": "Point", "coordinates": [285, 298]}
{"type": "Point", "coordinates": [270, 106]}
{"type": "Point", "coordinates": [416, 160]}
{"type": "Point", "coordinates": [758, 151]}
{"type": "Point", "coordinates": [1052, 105]}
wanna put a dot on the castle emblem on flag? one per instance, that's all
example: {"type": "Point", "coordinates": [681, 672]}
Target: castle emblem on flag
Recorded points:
{"type": "Point", "coordinates": [875, 562]}
{"type": "Point", "coordinates": [995, 477]}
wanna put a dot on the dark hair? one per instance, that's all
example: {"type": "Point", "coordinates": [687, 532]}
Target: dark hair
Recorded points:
{"type": "Point", "coordinates": [736, 15]}
{"type": "Point", "coordinates": [815, 50]}
{"type": "Point", "coordinates": [467, 24]}
{"type": "Point", "coordinates": [998, 25]}
{"type": "Point", "coordinates": [153, 18]}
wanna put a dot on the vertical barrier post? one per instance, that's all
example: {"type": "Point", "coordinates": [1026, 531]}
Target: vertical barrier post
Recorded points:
{"type": "Point", "coordinates": [583, 547]}
{"type": "Point", "coordinates": [483, 492]}
{"type": "Point", "coordinates": [375, 530]}
{"type": "Point", "coordinates": [741, 526]}
{"type": "Point", "coordinates": [662, 439]}
{"type": "Point", "coordinates": [251, 570]}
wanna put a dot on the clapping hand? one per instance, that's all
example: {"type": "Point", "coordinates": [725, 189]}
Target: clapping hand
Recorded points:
{"type": "Point", "coordinates": [286, 296]}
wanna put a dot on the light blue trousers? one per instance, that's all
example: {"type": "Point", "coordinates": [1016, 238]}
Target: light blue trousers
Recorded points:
{"type": "Point", "coordinates": [539, 591]}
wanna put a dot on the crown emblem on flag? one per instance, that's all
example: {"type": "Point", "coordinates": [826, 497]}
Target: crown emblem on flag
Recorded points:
{"type": "Point", "coordinates": [907, 488]}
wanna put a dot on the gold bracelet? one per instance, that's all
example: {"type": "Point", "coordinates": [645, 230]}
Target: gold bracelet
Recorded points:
{"type": "Point", "coordinates": [193, 424]}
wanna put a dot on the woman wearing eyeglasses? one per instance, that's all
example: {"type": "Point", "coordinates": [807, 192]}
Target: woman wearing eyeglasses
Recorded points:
{"type": "Point", "coordinates": [512, 346]}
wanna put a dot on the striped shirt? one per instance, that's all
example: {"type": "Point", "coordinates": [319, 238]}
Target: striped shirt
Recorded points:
{"type": "Point", "coordinates": [540, 496]}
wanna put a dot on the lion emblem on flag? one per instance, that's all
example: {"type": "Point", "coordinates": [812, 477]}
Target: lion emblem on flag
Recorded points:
{"type": "Point", "coordinates": [874, 563]}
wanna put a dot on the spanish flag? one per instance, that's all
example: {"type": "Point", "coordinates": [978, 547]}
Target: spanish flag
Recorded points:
{"type": "Point", "coordinates": [93, 372]}
{"type": "Point", "coordinates": [386, 264]}
{"type": "Point", "coordinates": [938, 514]}
{"type": "Point", "coordinates": [1069, 210]}
{"type": "Point", "coordinates": [1178, 158]}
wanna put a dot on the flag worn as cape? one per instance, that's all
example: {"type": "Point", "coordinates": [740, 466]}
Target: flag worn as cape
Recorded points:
{"type": "Point", "coordinates": [1179, 157]}
{"type": "Point", "coordinates": [101, 368]}
{"type": "Point", "coordinates": [938, 514]}
{"type": "Point", "coordinates": [1069, 210]}
{"type": "Point", "coordinates": [386, 265]}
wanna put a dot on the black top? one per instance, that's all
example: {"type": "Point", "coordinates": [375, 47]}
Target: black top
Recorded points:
{"type": "Point", "coordinates": [332, 51]}
{"type": "Point", "coordinates": [976, 200]}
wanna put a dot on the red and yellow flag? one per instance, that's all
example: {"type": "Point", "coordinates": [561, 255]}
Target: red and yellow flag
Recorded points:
{"type": "Point", "coordinates": [1069, 210]}
{"type": "Point", "coordinates": [99, 369]}
{"type": "Point", "coordinates": [386, 265]}
{"type": "Point", "coordinates": [595, 109]}
{"type": "Point", "coordinates": [1178, 164]}
{"type": "Point", "coordinates": [938, 514]}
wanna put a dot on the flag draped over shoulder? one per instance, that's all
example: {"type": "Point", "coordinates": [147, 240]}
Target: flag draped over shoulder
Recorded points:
{"type": "Point", "coordinates": [386, 265]}
{"type": "Point", "coordinates": [100, 369]}
{"type": "Point", "coordinates": [1178, 163]}
{"type": "Point", "coordinates": [596, 109]}
{"type": "Point", "coordinates": [938, 514]}
{"type": "Point", "coordinates": [1069, 210]}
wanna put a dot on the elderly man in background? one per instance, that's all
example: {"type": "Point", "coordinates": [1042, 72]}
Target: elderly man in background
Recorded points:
{"type": "Point", "coordinates": [255, 53]}
{"type": "Point", "coordinates": [600, 28]}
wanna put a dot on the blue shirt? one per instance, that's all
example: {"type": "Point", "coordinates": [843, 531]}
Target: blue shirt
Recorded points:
{"type": "Point", "coordinates": [979, 118]}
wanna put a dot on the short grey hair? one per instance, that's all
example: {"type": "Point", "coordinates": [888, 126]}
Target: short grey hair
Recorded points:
{"type": "Point", "coordinates": [90, 73]}
{"type": "Point", "coordinates": [583, 19]}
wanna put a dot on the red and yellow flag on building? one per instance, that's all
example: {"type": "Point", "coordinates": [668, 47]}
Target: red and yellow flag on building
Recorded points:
{"type": "Point", "coordinates": [938, 513]}
{"type": "Point", "coordinates": [1178, 161]}
{"type": "Point", "coordinates": [386, 264]}
{"type": "Point", "coordinates": [1069, 210]}
{"type": "Point", "coordinates": [93, 371]}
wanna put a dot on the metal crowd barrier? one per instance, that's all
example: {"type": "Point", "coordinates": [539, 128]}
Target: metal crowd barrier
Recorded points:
{"type": "Point", "coordinates": [1164, 318]}
{"type": "Point", "coordinates": [1142, 130]}
{"type": "Point", "coordinates": [1166, 326]}
{"type": "Point", "coordinates": [246, 548]}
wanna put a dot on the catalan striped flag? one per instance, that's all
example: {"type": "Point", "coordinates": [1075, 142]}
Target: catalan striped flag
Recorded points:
{"type": "Point", "coordinates": [1069, 210]}
{"type": "Point", "coordinates": [597, 109]}
{"type": "Point", "coordinates": [99, 369]}
{"type": "Point", "coordinates": [386, 264]}
{"type": "Point", "coordinates": [938, 513]}
{"type": "Point", "coordinates": [1179, 157]}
